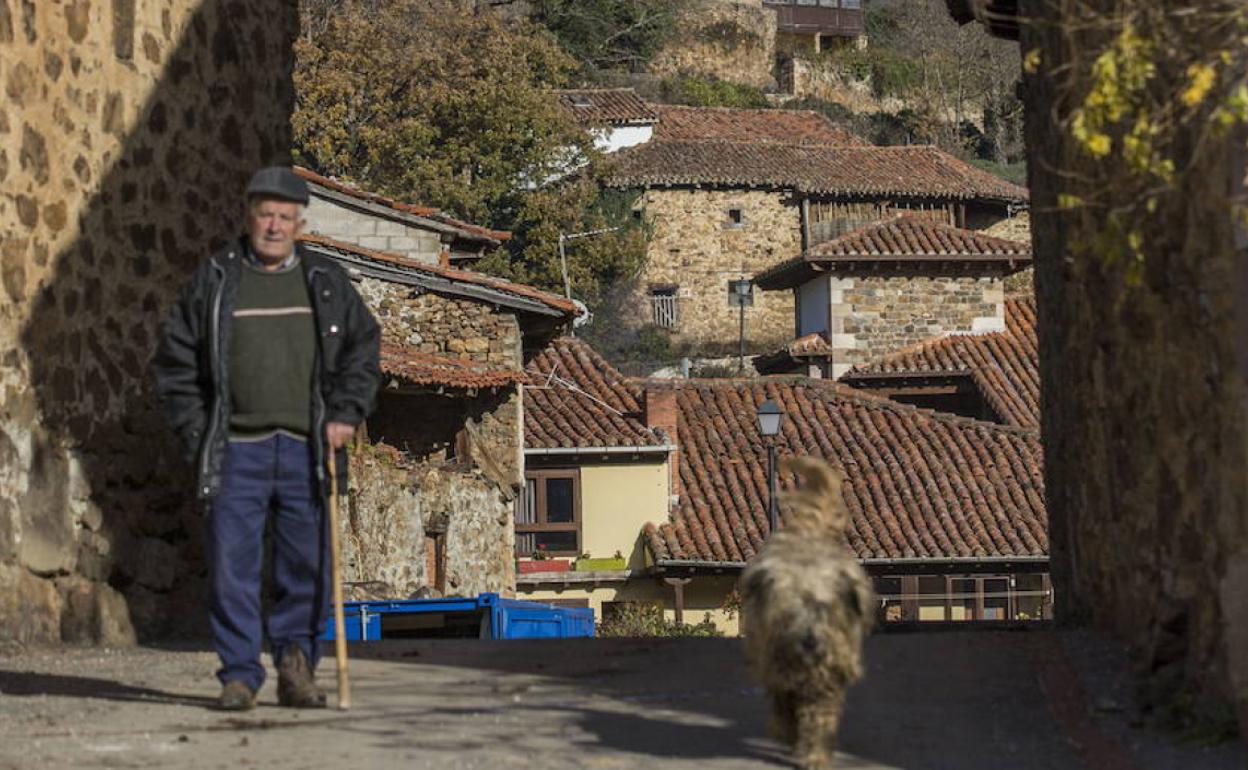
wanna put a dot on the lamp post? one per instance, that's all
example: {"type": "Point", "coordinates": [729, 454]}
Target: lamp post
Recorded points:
{"type": "Point", "coordinates": [741, 294]}
{"type": "Point", "coordinates": [769, 419]}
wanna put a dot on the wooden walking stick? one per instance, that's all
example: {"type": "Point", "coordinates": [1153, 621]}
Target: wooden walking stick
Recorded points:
{"type": "Point", "coordinates": [335, 569]}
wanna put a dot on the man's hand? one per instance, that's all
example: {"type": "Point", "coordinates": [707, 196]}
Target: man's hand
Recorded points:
{"type": "Point", "coordinates": [338, 434]}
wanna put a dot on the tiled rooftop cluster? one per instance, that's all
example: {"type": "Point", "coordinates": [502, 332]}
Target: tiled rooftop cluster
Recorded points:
{"type": "Point", "coordinates": [727, 124]}
{"type": "Point", "coordinates": [1005, 364]}
{"type": "Point", "coordinates": [574, 398]}
{"type": "Point", "coordinates": [597, 107]}
{"type": "Point", "coordinates": [919, 484]}
{"type": "Point", "coordinates": [920, 171]}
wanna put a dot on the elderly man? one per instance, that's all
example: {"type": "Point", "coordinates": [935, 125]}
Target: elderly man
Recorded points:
{"type": "Point", "coordinates": [268, 361]}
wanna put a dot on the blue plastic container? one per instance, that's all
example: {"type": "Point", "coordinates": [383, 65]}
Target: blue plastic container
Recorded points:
{"type": "Point", "coordinates": [487, 616]}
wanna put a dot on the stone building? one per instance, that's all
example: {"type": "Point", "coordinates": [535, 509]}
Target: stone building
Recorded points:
{"type": "Point", "coordinates": [346, 213]}
{"type": "Point", "coordinates": [127, 134]}
{"type": "Point", "coordinates": [892, 284]}
{"type": "Point", "coordinates": [722, 211]}
{"type": "Point", "coordinates": [435, 478]}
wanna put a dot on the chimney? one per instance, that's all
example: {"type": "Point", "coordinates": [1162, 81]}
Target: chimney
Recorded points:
{"type": "Point", "coordinates": [662, 414]}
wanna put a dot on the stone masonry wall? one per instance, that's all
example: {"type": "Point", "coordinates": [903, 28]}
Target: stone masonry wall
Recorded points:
{"type": "Point", "coordinates": [694, 246]}
{"type": "Point", "coordinates": [874, 316]}
{"type": "Point", "coordinates": [127, 133]}
{"type": "Point", "coordinates": [403, 490]}
{"type": "Point", "coordinates": [733, 40]}
{"type": "Point", "coordinates": [395, 507]}
{"type": "Point", "coordinates": [372, 232]}
{"type": "Point", "coordinates": [430, 323]}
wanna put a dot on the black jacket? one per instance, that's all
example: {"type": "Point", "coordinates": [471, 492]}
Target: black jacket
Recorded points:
{"type": "Point", "coordinates": [191, 367]}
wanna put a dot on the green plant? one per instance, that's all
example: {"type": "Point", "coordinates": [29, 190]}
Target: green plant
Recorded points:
{"type": "Point", "coordinates": [641, 619]}
{"type": "Point", "coordinates": [708, 92]}
{"type": "Point", "coordinates": [540, 554]}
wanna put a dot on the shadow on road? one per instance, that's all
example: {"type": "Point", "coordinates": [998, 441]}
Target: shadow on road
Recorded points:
{"type": "Point", "coordinates": [22, 683]}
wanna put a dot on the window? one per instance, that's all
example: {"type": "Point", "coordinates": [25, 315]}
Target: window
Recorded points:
{"type": "Point", "coordinates": [851, 4]}
{"type": "Point", "coordinates": [736, 217]}
{"type": "Point", "coordinates": [664, 306]}
{"type": "Point", "coordinates": [548, 513]}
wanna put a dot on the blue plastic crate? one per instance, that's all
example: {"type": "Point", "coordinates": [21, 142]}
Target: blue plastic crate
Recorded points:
{"type": "Point", "coordinates": [486, 616]}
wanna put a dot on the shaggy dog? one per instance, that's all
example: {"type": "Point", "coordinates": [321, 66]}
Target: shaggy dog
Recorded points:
{"type": "Point", "coordinates": [807, 605]}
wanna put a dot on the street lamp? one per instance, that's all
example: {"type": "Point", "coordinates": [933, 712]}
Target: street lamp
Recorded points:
{"type": "Point", "coordinates": [769, 419]}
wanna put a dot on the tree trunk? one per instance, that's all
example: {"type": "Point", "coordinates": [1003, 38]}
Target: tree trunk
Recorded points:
{"type": "Point", "coordinates": [1143, 391]}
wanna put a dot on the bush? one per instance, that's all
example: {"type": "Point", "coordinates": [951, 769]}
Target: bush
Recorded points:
{"type": "Point", "coordinates": [709, 92]}
{"type": "Point", "coordinates": [637, 619]}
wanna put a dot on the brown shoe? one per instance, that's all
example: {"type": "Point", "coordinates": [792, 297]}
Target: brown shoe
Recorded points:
{"type": "Point", "coordinates": [296, 685]}
{"type": "Point", "coordinates": [236, 696]}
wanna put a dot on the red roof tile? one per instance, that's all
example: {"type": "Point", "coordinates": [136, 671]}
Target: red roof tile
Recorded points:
{"type": "Point", "coordinates": [574, 398]}
{"type": "Point", "coordinates": [728, 124]}
{"type": "Point", "coordinates": [595, 107]}
{"type": "Point", "coordinates": [918, 171]}
{"type": "Point", "coordinates": [467, 229]}
{"type": "Point", "coordinates": [427, 369]}
{"type": "Point", "coordinates": [1005, 365]}
{"type": "Point", "coordinates": [919, 484]}
{"type": "Point", "coordinates": [553, 301]}
{"type": "Point", "coordinates": [906, 238]}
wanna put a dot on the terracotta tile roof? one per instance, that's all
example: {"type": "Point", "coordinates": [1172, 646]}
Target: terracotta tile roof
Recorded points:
{"type": "Point", "coordinates": [574, 398]}
{"type": "Point", "coordinates": [448, 274]}
{"type": "Point", "coordinates": [465, 229]}
{"type": "Point", "coordinates": [919, 484]}
{"type": "Point", "coordinates": [905, 238]}
{"type": "Point", "coordinates": [1005, 364]}
{"type": "Point", "coordinates": [595, 107]}
{"type": "Point", "coordinates": [428, 369]}
{"type": "Point", "coordinates": [727, 124]}
{"type": "Point", "coordinates": [794, 355]}
{"type": "Point", "coordinates": [918, 171]}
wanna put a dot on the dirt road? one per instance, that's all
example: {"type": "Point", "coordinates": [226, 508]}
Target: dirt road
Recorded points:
{"type": "Point", "coordinates": [931, 701]}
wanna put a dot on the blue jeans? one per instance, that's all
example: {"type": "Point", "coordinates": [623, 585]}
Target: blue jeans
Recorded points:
{"type": "Point", "coordinates": [274, 477]}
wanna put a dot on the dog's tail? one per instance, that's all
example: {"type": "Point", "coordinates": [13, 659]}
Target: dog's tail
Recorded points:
{"type": "Point", "coordinates": [820, 502]}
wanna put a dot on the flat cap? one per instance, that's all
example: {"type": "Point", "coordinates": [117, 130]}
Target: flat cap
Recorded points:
{"type": "Point", "coordinates": [278, 182]}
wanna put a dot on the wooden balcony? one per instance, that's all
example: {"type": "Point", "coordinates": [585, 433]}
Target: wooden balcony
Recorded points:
{"type": "Point", "coordinates": [826, 18]}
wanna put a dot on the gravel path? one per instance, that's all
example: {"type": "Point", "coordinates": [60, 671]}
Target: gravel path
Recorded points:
{"type": "Point", "coordinates": [931, 701]}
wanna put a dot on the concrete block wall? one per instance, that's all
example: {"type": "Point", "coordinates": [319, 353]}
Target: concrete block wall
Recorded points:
{"type": "Point", "coordinates": [372, 231]}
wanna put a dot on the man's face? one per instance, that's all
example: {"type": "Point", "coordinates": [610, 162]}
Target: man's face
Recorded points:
{"type": "Point", "coordinates": [273, 226]}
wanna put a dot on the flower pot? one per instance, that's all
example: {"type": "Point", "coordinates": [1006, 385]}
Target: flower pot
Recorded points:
{"type": "Point", "coordinates": [601, 565]}
{"type": "Point", "coordinates": [544, 565]}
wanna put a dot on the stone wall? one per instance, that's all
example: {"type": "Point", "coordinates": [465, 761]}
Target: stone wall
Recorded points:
{"type": "Point", "coordinates": [371, 231]}
{"type": "Point", "coordinates": [397, 511]}
{"type": "Point", "coordinates": [873, 316]}
{"type": "Point", "coordinates": [430, 323]}
{"type": "Point", "coordinates": [733, 40]}
{"type": "Point", "coordinates": [127, 133]}
{"type": "Point", "coordinates": [1143, 377]}
{"type": "Point", "coordinates": [446, 463]}
{"type": "Point", "coordinates": [695, 247]}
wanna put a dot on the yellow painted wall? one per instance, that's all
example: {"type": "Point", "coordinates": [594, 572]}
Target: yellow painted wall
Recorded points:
{"type": "Point", "coordinates": [704, 597]}
{"type": "Point", "coordinates": [616, 502]}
